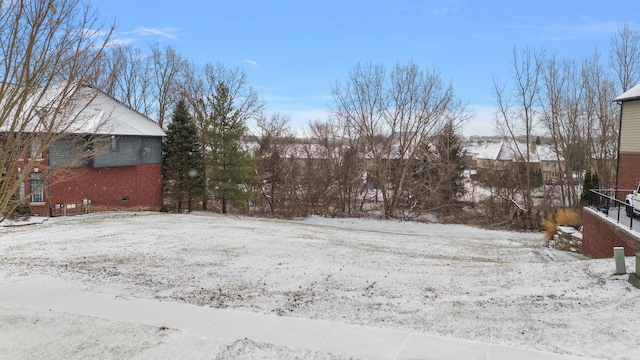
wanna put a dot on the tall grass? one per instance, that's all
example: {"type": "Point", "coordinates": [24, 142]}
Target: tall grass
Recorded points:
{"type": "Point", "coordinates": [562, 217]}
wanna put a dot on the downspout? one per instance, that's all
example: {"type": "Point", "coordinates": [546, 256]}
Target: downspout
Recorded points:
{"type": "Point", "coordinates": [47, 184]}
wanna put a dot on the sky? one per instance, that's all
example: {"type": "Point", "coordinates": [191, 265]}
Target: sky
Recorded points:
{"type": "Point", "coordinates": [293, 52]}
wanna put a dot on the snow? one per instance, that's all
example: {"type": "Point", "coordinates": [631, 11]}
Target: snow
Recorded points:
{"type": "Point", "coordinates": [448, 280]}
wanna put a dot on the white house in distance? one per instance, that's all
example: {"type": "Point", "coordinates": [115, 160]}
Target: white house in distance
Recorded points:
{"type": "Point", "coordinates": [502, 156]}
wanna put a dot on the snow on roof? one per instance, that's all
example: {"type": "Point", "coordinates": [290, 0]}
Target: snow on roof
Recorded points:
{"type": "Point", "coordinates": [547, 153]}
{"type": "Point", "coordinates": [490, 151]}
{"type": "Point", "coordinates": [507, 151]}
{"type": "Point", "coordinates": [87, 111]}
{"type": "Point", "coordinates": [105, 115]}
{"type": "Point", "coordinates": [631, 94]}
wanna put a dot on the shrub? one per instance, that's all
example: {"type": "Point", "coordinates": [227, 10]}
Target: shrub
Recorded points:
{"type": "Point", "coordinates": [20, 211]}
{"type": "Point", "coordinates": [562, 217]}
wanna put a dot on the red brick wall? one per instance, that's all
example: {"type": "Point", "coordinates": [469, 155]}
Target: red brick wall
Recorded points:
{"type": "Point", "coordinates": [112, 188]}
{"type": "Point", "coordinates": [601, 235]}
{"type": "Point", "coordinates": [628, 171]}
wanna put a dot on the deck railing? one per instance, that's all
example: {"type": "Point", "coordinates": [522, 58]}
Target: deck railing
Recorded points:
{"type": "Point", "coordinates": [611, 203]}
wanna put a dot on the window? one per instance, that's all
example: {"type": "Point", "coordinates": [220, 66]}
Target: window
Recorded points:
{"type": "Point", "coordinates": [36, 142]}
{"type": "Point", "coordinates": [36, 185]}
{"type": "Point", "coordinates": [114, 143]}
{"type": "Point", "coordinates": [551, 164]}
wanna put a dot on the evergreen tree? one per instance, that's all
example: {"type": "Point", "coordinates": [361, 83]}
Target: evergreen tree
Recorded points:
{"type": "Point", "coordinates": [183, 165]}
{"type": "Point", "coordinates": [450, 151]}
{"type": "Point", "coordinates": [590, 182]}
{"type": "Point", "coordinates": [230, 166]}
{"type": "Point", "coordinates": [438, 176]}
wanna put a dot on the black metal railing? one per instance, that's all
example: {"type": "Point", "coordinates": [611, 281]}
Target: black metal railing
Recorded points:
{"type": "Point", "coordinates": [611, 202]}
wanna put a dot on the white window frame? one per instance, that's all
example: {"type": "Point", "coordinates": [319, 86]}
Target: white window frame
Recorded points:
{"type": "Point", "coordinates": [36, 193]}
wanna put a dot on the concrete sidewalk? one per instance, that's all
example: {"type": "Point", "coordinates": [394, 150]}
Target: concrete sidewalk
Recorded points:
{"type": "Point", "coordinates": [318, 335]}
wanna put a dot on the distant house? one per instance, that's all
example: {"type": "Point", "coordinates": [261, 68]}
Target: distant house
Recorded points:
{"type": "Point", "coordinates": [493, 156]}
{"type": "Point", "coordinates": [124, 174]}
{"type": "Point", "coordinates": [503, 156]}
{"type": "Point", "coordinates": [629, 146]}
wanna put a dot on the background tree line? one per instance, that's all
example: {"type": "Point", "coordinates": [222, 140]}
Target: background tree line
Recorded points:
{"type": "Point", "coordinates": [391, 145]}
{"type": "Point", "coordinates": [384, 143]}
{"type": "Point", "coordinates": [569, 101]}
{"type": "Point", "coordinates": [402, 153]}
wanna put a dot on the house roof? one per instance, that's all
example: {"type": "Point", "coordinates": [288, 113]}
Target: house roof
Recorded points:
{"type": "Point", "coordinates": [507, 152]}
{"type": "Point", "coordinates": [105, 115]}
{"type": "Point", "coordinates": [490, 151]}
{"type": "Point", "coordinates": [87, 111]}
{"type": "Point", "coordinates": [631, 94]}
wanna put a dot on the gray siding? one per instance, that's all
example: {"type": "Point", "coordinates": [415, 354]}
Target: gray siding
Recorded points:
{"type": "Point", "coordinates": [64, 153]}
{"type": "Point", "coordinates": [128, 151]}
{"type": "Point", "coordinates": [151, 150]}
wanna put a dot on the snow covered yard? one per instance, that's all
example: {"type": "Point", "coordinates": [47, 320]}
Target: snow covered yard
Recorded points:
{"type": "Point", "coordinates": [450, 280]}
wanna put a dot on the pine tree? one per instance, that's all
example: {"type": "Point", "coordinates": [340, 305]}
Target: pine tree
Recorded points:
{"type": "Point", "coordinates": [183, 165]}
{"type": "Point", "coordinates": [230, 166]}
{"type": "Point", "coordinates": [450, 151]}
{"type": "Point", "coordinates": [586, 186]}
{"type": "Point", "coordinates": [590, 182]}
{"type": "Point", "coordinates": [438, 176]}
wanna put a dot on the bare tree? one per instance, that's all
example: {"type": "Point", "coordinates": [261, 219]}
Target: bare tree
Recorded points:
{"type": "Point", "coordinates": [624, 57]}
{"type": "Point", "coordinates": [275, 144]}
{"type": "Point", "coordinates": [130, 80]}
{"type": "Point", "coordinates": [392, 115]}
{"type": "Point", "coordinates": [601, 120]}
{"type": "Point", "coordinates": [562, 97]}
{"type": "Point", "coordinates": [167, 68]}
{"type": "Point", "coordinates": [518, 110]}
{"type": "Point", "coordinates": [50, 49]}
{"type": "Point", "coordinates": [150, 84]}
{"type": "Point", "coordinates": [341, 160]}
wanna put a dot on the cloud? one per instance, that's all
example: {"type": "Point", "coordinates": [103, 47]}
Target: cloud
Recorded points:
{"type": "Point", "coordinates": [166, 32]}
{"type": "Point", "coordinates": [100, 35]}
{"type": "Point", "coordinates": [114, 41]}
{"type": "Point", "coordinates": [552, 30]}
{"type": "Point", "coordinates": [252, 63]}
{"type": "Point", "coordinates": [447, 7]}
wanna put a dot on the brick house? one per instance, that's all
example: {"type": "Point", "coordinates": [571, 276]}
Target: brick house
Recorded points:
{"type": "Point", "coordinates": [125, 173]}
{"type": "Point", "coordinates": [628, 168]}
{"type": "Point", "coordinates": [602, 232]}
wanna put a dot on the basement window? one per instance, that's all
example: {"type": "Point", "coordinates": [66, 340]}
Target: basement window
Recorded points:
{"type": "Point", "coordinates": [125, 198]}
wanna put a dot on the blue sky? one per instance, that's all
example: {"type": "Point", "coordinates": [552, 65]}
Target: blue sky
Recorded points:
{"type": "Point", "coordinates": [294, 51]}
